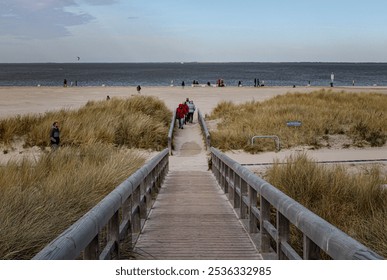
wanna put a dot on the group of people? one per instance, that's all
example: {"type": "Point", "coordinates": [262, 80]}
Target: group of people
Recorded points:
{"type": "Point", "coordinates": [185, 112]}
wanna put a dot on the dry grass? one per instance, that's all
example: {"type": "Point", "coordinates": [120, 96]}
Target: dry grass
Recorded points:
{"type": "Point", "coordinates": [138, 122]}
{"type": "Point", "coordinates": [356, 204]}
{"type": "Point", "coordinates": [361, 117]}
{"type": "Point", "coordinates": [39, 199]}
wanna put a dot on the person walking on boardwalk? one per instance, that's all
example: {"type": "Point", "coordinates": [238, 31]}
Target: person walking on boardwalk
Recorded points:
{"type": "Point", "coordinates": [180, 115]}
{"type": "Point", "coordinates": [55, 135]}
{"type": "Point", "coordinates": [185, 103]}
{"type": "Point", "coordinates": [191, 110]}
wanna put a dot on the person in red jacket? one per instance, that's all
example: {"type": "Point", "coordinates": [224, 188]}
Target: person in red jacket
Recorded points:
{"type": "Point", "coordinates": [180, 115]}
{"type": "Point", "coordinates": [186, 110]}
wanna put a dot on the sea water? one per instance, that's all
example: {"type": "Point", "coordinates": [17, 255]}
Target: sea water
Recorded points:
{"type": "Point", "coordinates": [167, 74]}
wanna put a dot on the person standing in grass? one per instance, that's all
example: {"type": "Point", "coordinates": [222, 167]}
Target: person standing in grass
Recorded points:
{"type": "Point", "coordinates": [55, 135]}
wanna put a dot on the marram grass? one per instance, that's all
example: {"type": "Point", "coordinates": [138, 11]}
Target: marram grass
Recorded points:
{"type": "Point", "coordinates": [361, 117]}
{"type": "Point", "coordinates": [39, 199]}
{"type": "Point", "coordinates": [137, 122]}
{"type": "Point", "coordinates": [355, 203]}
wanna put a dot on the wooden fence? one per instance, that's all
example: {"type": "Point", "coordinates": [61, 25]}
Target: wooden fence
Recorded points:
{"type": "Point", "coordinates": [115, 221]}
{"type": "Point", "coordinates": [271, 213]}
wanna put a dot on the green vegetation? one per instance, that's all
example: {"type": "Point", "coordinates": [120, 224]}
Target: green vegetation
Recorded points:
{"type": "Point", "coordinates": [356, 204]}
{"type": "Point", "coordinates": [360, 117]}
{"type": "Point", "coordinates": [39, 199]}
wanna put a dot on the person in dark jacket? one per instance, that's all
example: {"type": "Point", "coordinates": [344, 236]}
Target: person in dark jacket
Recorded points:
{"type": "Point", "coordinates": [55, 135]}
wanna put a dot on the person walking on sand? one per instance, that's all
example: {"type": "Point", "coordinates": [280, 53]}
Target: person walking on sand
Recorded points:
{"type": "Point", "coordinates": [55, 135]}
{"type": "Point", "coordinates": [139, 89]}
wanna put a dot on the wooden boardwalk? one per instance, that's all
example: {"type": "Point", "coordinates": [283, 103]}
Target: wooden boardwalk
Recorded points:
{"type": "Point", "coordinates": [192, 218]}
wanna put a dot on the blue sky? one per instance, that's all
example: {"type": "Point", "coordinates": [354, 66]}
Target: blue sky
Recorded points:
{"type": "Point", "coordinates": [200, 30]}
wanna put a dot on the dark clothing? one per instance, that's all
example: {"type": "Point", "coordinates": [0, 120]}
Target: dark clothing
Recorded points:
{"type": "Point", "coordinates": [54, 135]}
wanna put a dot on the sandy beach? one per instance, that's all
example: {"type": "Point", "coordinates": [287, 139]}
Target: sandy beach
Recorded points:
{"type": "Point", "coordinates": [24, 100]}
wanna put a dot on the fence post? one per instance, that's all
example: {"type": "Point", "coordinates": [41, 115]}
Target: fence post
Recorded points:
{"type": "Point", "coordinates": [310, 250]}
{"type": "Point", "coordinates": [91, 251]}
{"type": "Point", "coordinates": [283, 234]}
{"type": "Point", "coordinates": [265, 216]}
{"type": "Point", "coordinates": [114, 233]}
{"type": "Point", "coordinates": [253, 221]}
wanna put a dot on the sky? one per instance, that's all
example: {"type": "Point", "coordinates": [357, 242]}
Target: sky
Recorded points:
{"type": "Point", "coordinates": [193, 30]}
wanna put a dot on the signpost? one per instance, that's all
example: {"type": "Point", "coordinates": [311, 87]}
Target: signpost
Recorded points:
{"type": "Point", "coordinates": [293, 123]}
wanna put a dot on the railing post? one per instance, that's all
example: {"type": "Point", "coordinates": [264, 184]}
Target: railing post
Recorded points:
{"type": "Point", "coordinates": [265, 216]}
{"type": "Point", "coordinates": [114, 233]}
{"type": "Point", "coordinates": [244, 192]}
{"type": "Point", "coordinates": [310, 250]}
{"type": "Point", "coordinates": [226, 178]}
{"type": "Point", "coordinates": [283, 234]}
{"type": "Point", "coordinates": [136, 220]}
{"type": "Point", "coordinates": [91, 251]}
{"type": "Point", "coordinates": [236, 198]}
{"type": "Point", "coordinates": [143, 204]}
{"type": "Point", "coordinates": [126, 216]}
{"type": "Point", "coordinates": [253, 221]}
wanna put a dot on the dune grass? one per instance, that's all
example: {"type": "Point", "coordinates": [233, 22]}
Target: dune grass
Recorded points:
{"type": "Point", "coordinates": [138, 122]}
{"type": "Point", "coordinates": [39, 199]}
{"type": "Point", "coordinates": [355, 203]}
{"type": "Point", "coordinates": [359, 116]}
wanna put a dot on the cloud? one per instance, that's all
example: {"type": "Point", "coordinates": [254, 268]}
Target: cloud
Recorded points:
{"type": "Point", "coordinates": [42, 19]}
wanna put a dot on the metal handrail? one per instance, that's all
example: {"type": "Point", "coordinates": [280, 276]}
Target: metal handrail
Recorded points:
{"type": "Point", "coordinates": [275, 137]}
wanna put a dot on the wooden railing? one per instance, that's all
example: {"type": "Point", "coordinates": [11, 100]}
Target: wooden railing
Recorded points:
{"type": "Point", "coordinates": [170, 133]}
{"type": "Point", "coordinates": [115, 221]}
{"type": "Point", "coordinates": [261, 203]}
{"type": "Point", "coordinates": [205, 131]}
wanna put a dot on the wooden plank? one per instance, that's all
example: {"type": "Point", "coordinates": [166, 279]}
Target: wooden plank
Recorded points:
{"type": "Point", "coordinates": [193, 219]}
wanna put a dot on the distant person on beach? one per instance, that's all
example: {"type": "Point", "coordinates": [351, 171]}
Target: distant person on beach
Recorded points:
{"type": "Point", "coordinates": [54, 136]}
{"type": "Point", "coordinates": [239, 84]}
{"type": "Point", "coordinates": [138, 88]}
{"type": "Point", "coordinates": [182, 84]}
{"type": "Point", "coordinates": [108, 97]}
{"type": "Point", "coordinates": [180, 115]}
{"type": "Point", "coordinates": [64, 83]}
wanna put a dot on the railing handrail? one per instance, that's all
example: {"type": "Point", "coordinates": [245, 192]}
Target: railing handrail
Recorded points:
{"type": "Point", "coordinates": [81, 234]}
{"type": "Point", "coordinates": [204, 129]}
{"type": "Point", "coordinates": [170, 133]}
{"type": "Point", "coordinates": [330, 239]}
